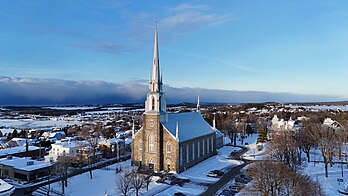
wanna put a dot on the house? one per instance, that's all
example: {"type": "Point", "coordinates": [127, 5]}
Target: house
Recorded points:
{"type": "Point", "coordinates": [65, 147]}
{"type": "Point", "coordinates": [24, 168]}
{"type": "Point", "coordinates": [112, 147]}
{"type": "Point", "coordinates": [69, 147]}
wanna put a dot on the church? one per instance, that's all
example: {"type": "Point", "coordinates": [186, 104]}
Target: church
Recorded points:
{"type": "Point", "coordinates": [170, 142]}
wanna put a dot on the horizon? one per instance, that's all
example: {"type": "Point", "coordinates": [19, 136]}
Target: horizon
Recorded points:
{"type": "Point", "coordinates": [240, 51]}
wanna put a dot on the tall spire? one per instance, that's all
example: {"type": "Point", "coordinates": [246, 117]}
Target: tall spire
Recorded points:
{"type": "Point", "coordinates": [155, 77]}
{"type": "Point", "coordinates": [198, 109]}
{"type": "Point", "coordinates": [155, 102]}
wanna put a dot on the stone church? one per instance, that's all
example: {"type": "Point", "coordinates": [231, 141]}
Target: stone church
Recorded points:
{"type": "Point", "coordinates": [170, 141]}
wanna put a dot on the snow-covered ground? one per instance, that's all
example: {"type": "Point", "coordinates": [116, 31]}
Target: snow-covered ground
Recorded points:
{"type": "Point", "coordinates": [198, 173]}
{"type": "Point", "coordinates": [104, 180]}
{"type": "Point", "coordinates": [329, 185]}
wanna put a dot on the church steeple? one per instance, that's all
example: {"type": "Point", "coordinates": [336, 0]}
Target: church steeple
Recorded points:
{"type": "Point", "coordinates": [155, 103]}
{"type": "Point", "coordinates": [198, 109]}
{"type": "Point", "coordinates": [155, 76]}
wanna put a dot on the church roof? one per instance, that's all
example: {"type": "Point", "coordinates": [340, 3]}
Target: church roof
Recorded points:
{"type": "Point", "coordinates": [191, 125]}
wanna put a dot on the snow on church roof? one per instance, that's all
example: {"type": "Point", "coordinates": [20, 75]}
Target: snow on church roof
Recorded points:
{"type": "Point", "coordinates": [191, 125]}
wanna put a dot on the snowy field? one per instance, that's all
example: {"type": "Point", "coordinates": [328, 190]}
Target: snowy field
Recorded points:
{"type": "Point", "coordinates": [71, 108]}
{"type": "Point", "coordinates": [320, 107]}
{"type": "Point", "coordinates": [34, 124]}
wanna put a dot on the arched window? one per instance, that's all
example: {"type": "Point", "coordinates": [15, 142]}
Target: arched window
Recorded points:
{"type": "Point", "coordinates": [151, 144]}
{"type": "Point", "coordinates": [153, 103]}
{"type": "Point", "coordinates": [168, 150]}
{"type": "Point", "coordinates": [140, 145]}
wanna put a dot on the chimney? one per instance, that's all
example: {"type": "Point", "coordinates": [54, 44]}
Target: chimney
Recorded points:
{"type": "Point", "coordinates": [26, 146]}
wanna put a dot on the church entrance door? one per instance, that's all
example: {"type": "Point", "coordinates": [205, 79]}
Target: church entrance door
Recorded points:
{"type": "Point", "coordinates": [151, 167]}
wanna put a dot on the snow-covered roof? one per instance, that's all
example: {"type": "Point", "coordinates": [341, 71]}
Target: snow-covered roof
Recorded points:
{"type": "Point", "coordinates": [4, 186]}
{"type": "Point", "coordinates": [112, 141]}
{"type": "Point", "coordinates": [22, 163]}
{"type": "Point", "coordinates": [191, 125]}
{"type": "Point", "coordinates": [15, 150]}
{"type": "Point", "coordinates": [72, 144]}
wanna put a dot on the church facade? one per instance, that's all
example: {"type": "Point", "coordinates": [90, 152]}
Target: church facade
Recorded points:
{"type": "Point", "coordinates": [170, 142]}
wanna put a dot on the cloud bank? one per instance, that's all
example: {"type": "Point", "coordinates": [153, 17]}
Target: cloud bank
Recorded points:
{"type": "Point", "coordinates": [35, 91]}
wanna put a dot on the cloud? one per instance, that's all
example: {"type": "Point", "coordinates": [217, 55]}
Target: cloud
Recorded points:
{"type": "Point", "coordinates": [35, 91]}
{"type": "Point", "coordinates": [191, 17]}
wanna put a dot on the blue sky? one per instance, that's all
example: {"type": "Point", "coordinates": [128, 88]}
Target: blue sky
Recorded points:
{"type": "Point", "coordinates": [292, 46]}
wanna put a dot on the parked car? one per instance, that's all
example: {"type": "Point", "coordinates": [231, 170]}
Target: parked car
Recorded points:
{"type": "Point", "coordinates": [218, 172]}
{"type": "Point", "coordinates": [179, 194]}
{"type": "Point", "coordinates": [213, 175]}
{"type": "Point", "coordinates": [242, 180]}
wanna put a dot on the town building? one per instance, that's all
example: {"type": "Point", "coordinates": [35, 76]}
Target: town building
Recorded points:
{"type": "Point", "coordinates": [24, 168]}
{"type": "Point", "coordinates": [170, 142]}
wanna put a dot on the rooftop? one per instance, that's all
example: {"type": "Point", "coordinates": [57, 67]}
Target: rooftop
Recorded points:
{"type": "Point", "coordinates": [15, 150]}
{"type": "Point", "coordinates": [22, 163]}
{"type": "Point", "coordinates": [191, 125]}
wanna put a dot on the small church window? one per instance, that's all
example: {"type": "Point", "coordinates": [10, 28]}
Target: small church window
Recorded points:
{"type": "Point", "coordinates": [198, 149]}
{"type": "Point", "coordinates": [140, 145]}
{"type": "Point", "coordinates": [168, 150]}
{"type": "Point", "coordinates": [187, 153]}
{"type": "Point", "coordinates": [212, 143]}
{"type": "Point", "coordinates": [153, 103]}
{"type": "Point", "coordinates": [207, 145]}
{"type": "Point", "coordinates": [151, 144]}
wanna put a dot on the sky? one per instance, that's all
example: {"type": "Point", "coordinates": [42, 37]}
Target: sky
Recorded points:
{"type": "Point", "coordinates": [291, 47]}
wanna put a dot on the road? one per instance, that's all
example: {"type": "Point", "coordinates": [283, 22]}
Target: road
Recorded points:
{"type": "Point", "coordinates": [228, 176]}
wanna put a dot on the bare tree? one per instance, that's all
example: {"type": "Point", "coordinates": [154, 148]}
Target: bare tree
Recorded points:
{"type": "Point", "coordinates": [62, 166]}
{"type": "Point", "coordinates": [305, 140]}
{"type": "Point", "coordinates": [91, 136]}
{"type": "Point", "coordinates": [325, 138]}
{"type": "Point", "coordinates": [275, 178]}
{"type": "Point", "coordinates": [137, 180]}
{"type": "Point", "coordinates": [262, 129]}
{"type": "Point", "coordinates": [148, 180]}
{"type": "Point", "coordinates": [285, 148]}
{"type": "Point", "coordinates": [124, 183]}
